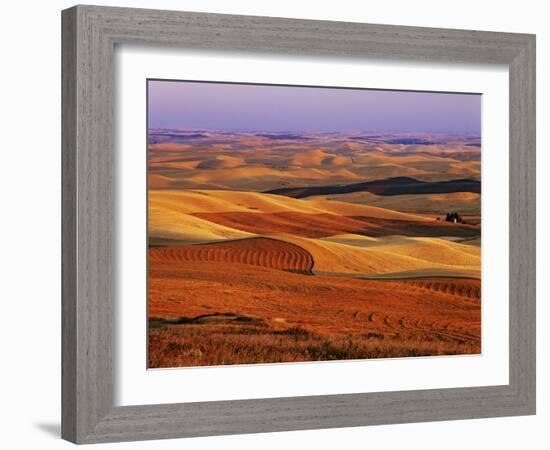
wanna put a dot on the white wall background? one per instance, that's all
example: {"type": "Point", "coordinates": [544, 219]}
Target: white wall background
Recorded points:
{"type": "Point", "coordinates": [30, 222]}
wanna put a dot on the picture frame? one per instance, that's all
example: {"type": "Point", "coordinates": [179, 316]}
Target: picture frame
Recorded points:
{"type": "Point", "coordinates": [90, 34]}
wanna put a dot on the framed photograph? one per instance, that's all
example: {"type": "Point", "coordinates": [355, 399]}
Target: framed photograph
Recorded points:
{"type": "Point", "coordinates": [267, 222]}
{"type": "Point", "coordinates": [279, 230]}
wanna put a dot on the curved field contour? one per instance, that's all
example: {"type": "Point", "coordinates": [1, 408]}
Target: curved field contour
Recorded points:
{"type": "Point", "coordinates": [263, 252]}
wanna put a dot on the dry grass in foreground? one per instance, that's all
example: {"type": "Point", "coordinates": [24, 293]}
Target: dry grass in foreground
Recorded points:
{"type": "Point", "coordinates": [243, 340]}
{"type": "Point", "coordinates": [211, 313]}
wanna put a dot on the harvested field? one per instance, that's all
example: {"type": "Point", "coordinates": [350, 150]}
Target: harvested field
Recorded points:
{"type": "Point", "coordinates": [221, 344]}
{"type": "Point", "coordinates": [459, 287]}
{"type": "Point", "coordinates": [263, 252]}
{"type": "Point", "coordinates": [202, 313]}
{"type": "Point", "coordinates": [323, 225]}
{"type": "Point", "coordinates": [299, 224]}
{"type": "Point", "coordinates": [272, 246]}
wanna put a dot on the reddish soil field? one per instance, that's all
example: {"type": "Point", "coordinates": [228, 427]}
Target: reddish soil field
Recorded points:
{"type": "Point", "coordinates": [206, 313]}
{"type": "Point", "coordinates": [323, 225]}
{"type": "Point", "coordinates": [263, 252]}
{"type": "Point", "coordinates": [463, 287]}
{"type": "Point", "coordinates": [298, 224]}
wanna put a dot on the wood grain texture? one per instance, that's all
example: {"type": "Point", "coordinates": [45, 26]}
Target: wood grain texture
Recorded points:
{"type": "Point", "coordinates": [89, 37]}
{"type": "Point", "coordinates": [88, 210]}
{"type": "Point", "coordinates": [522, 281]}
{"type": "Point", "coordinates": [68, 225]}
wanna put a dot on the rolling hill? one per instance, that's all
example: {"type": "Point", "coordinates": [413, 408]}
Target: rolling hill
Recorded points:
{"type": "Point", "coordinates": [389, 186]}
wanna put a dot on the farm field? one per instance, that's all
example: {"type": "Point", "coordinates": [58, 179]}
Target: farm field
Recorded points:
{"type": "Point", "coordinates": [294, 223]}
{"type": "Point", "coordinates": [255, 314]}
{"type": "Point", "coordinates": [267, 247]}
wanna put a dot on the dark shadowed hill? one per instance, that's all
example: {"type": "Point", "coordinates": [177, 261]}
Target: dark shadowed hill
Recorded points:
{"type": "Point", "coordinates": [389, 186]}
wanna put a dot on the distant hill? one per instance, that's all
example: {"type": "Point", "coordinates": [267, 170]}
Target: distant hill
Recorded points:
{"type": "Point", "coordinates": [283, 137]}
{"type": "Point", "coordinates": [403, 141]}
{"type": "Point", "coordinates": [389, 186]}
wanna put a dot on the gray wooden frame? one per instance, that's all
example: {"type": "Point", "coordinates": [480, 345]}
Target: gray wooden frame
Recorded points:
{"type": "Point", "coordinates": [89, 37]}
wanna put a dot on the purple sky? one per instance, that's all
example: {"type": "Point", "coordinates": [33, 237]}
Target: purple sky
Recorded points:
{"type": "Point", "coordinates": [234, 107]}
